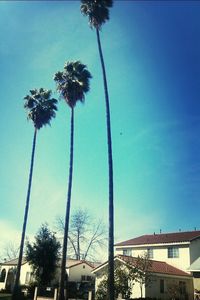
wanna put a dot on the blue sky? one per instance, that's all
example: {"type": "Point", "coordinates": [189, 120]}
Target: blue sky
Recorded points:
{"type": "Point", "coordinates": [152, 54]}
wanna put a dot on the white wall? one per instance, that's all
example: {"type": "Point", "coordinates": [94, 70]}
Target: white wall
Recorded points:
{"type": "Point", "coordinates": [154, 289]}
{"type": "Point", "coordinates": [77, 271]}
{"type": "Point", "coordinates": [24, 269]}
{"type": "Point", "coordinates": [2, 284]}
{"type": "Point", "coordinates": [161, 253]}
{"type": "Point", "coordinates": [194, 250]}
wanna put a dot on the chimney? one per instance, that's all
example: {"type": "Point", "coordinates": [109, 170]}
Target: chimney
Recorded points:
{"type": "Point", "coordinates": [160, 231]}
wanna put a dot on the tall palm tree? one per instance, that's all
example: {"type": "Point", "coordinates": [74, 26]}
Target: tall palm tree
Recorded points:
{"type": "Point", "coordinates": [72, 83]}
{"type": "Point", "coordinates": [41, 109]}
{"type": "Point", "coordinates": [98, 13]}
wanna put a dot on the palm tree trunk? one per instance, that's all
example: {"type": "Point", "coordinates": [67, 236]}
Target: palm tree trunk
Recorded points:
{"type": "Point", "coordinates": [110, 166]}
{"type": "Point", "coordinates": [66, 229]}
{"type": "Point", "coordinates": [78, 246]}
{"type": "Point", "coordinates": [141, 290]}
{"type": "Point", "coordinates": [17, 278]}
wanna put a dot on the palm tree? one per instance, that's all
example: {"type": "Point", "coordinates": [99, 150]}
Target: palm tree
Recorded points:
{"type": "Point", "coordinates": [41, 109]}
{"type": "Point", "coordinates": [72, 83]}
{"type": "Point", "coordinates": [98, 13]}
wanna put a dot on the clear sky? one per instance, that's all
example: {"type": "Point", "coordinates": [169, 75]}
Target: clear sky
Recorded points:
{"type": "Point", "coordinates": [152, 55]}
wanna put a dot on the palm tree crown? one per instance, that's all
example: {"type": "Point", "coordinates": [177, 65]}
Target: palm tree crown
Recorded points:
{"type": "Point", "coordinates": [40, 106]}
{"type": "Point", "coordinates": [73, 82]}
{"type": "Point", "coordinates": [97, 11]}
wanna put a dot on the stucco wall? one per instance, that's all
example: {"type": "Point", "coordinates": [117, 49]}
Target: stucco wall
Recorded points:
{"type": "Point", "coordinates": [76, 272]}
{"type": "Point", "coordinates": [2, 284]}
{"type": "Point", "coordinates": [24, 269]}
{"type": "Point", "coordinates": [194, 250]}
{"type": "Point", "coordinates": [154, 289]}
{"type": "Point", "coordinates": [161, 253]}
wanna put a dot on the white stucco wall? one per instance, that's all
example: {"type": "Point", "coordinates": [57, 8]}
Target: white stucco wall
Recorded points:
{"type": "Point", "coordinates": [154, 289]}
{"type": "Point", "coordinates": [194, 250]}
{"type": "Point", "coordinates": [24, 269]}
{"type": "Point", "coordinates": [161, 253]}
{"type": "Point", "coordinates": [2, 284]}
{"type": "Point", "coordinates": [76, 272]}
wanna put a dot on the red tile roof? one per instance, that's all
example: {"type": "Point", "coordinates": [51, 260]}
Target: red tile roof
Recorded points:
{"type": "Point", "coordinates": [156, 266]}
{"type": "Point", "coordinates": [162, 238]}
{"type": "Point", "coordinates": [13, 262]}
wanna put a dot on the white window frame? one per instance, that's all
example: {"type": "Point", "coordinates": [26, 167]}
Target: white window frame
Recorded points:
{"type": "Point", "coordinates": [173, 252]}
{"type": "Point", "coordinates": [150, 253]}
{"type": "Point", "coordinates": [127, 252]}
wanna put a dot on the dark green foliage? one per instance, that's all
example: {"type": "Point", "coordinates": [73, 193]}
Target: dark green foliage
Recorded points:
{"type": "Point", "coordinates": [40, 106]}
{"type": "Point", "coordinates": [73, 82]}
{"type": "Point", "coordinates": [97, 11]}
{"type": "Point", "coordinates": [43, 255]}
{"type": "Point", "coordinates": [123, 282]}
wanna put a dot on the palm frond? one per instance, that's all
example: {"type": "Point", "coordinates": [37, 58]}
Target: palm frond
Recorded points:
{"type": "Point", "coordinates": [97, 11]}
{"type": "Point", "coordinates": [40, 106]}
{"type": "Point", "coordinates": [73, 82]}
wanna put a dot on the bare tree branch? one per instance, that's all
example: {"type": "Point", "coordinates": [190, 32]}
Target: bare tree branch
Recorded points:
{"type": "Point", "coordinates": [10, 251]}
{"type": "Point", "coordinates": [86, 236]}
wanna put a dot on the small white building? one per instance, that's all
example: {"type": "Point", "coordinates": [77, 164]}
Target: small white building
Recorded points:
{"type": "Point", "coordinates": [165, 278]}
{"type": "Point", "coordinates": [77, 270]}
{"type": "Point", "coordinates": [8, 270]}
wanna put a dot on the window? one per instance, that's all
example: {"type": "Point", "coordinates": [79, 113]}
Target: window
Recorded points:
{"type": "Point", "coordinates": [28, 278]}
{"type": "Point", "coordinates": [173, 252]}
{"type": "Point", "coordinates": [127, 252]}
{"type": "Point", "coordinates": [150, 253]}
{"type": "Point", "coordinates": [89, 278]}
{"type": "Point", "coordinates": [182, 287]}
{"type": "Point", "coordinates": [83, 278]}
{"type": "Point", "coordinates": [3, 275]}
{"type": "Point", "coordinates": [162, 286]}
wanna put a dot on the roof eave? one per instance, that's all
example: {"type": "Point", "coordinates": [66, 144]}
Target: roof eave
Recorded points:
{"type": "Point", "coordinates": [152, 245]}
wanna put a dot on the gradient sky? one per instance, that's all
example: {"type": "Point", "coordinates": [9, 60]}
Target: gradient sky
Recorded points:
{"type": "Point", "coordinates": [152, 55]}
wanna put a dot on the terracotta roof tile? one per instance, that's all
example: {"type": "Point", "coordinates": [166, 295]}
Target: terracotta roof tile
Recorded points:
{"type": "Point", "coordinates": [156, 266]}
{"type": "Point", "coordinates": [162, 238]}
{"type": "Point", "coordinates": [13, 262]}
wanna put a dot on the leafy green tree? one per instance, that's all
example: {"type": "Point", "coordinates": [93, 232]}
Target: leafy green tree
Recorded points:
{"type": "Point", "coordinates": [124, 277]}
{"type": "Point", "coordinates": [43, 255]}
{"type": "Point", "coordinates": [98, 13]}
{"type": "Point", "coordinates": [41, 108]}
{"type": "Point", "coordinates": [73, 84]}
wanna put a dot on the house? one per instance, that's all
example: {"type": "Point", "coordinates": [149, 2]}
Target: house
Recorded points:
{"type": "Point", "coordinates": [80, 270]}
{"type": "Point", "coordinates": [77, 270]}
{"type": "Point", "coordinates": [8, 270]}
{"type": "Point", "coordinates": [195, 270]}
{"type": "Point", "coordinates": [179, 249]}
{"type": "Point", "coordinates": [166, 280]}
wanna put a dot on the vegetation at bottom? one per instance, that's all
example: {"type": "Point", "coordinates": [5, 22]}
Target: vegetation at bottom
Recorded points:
{"type": "Point", "coordinates": [43, 255]}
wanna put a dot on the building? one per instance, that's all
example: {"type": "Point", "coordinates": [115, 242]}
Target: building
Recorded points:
{"type": "Point", "coordinates": [77, 270]}
{"type": "Point", "coordinates": [179, 249]}
{"type": "Point", "coordinates": [167, 282]}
